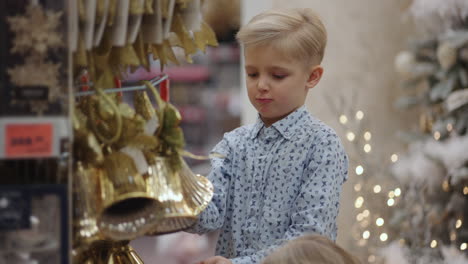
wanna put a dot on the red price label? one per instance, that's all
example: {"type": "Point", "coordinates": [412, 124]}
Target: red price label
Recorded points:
{"type": "Point", "coordinates": [28, 140]}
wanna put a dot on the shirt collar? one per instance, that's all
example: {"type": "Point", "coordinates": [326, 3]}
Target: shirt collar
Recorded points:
{"type": "Point", "coordinates": [286, 126]}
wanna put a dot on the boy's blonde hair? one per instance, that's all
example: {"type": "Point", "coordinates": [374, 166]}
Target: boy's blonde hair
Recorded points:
{"type": "Point", "coordinates": [297, 32]}
{"type": "Point", "coordinates": [310, 249]}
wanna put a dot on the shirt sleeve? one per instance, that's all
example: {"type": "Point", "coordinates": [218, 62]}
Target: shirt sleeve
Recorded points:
{"type": "Point", "coordinates": [316, 206]}
{"type": "Point", "coordinates": [212, 218]}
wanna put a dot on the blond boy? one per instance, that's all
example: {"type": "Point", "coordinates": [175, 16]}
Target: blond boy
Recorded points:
{"type": "Point", "coordinates": [281, 177]}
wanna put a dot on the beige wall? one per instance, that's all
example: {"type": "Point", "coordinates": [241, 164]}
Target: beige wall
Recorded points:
{"type": "Point", "coordinates": [364, 37]}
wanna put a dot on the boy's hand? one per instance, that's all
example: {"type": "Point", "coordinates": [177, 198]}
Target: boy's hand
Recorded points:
{"type": "Point", "coordinates": [216, 260]}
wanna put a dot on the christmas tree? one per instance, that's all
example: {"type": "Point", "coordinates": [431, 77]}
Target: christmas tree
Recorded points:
{"type": "Point", "coordinates": [429, 220]}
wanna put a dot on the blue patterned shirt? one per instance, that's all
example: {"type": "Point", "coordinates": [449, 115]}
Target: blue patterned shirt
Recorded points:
{"type": "Point", "coordinates": [274, 184]}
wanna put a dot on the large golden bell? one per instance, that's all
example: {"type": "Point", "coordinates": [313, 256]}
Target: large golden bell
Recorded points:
{"type": "Point", "coordinates": [85, 229]}
{"type": "Point", "coordinates": [129, 206]}
{"type": "Point", "coordinates": [198, 190]}
{"type": "Point", "coordinates": [177, 214]}
{"type": "Point", "coordinates": [108, 252]}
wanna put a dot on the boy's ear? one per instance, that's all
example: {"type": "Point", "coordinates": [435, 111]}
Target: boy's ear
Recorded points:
{"type": "Point", "coordinates": [315, 75]}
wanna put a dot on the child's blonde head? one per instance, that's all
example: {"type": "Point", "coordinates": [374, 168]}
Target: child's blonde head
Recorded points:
{"type": "Point", "coordinates": [298, 33]}
{"type": "Point", "coordinates": [310, 249]}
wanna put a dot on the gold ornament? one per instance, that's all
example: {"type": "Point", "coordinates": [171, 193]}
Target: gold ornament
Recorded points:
{"type": "Point", "coordinates": [197, 189]}
{"type": "Point", "coordinates": [205, 37]}
{"type": "Point", "coordinates": [447, 55]}
{"type": "Point", "coordinates": [37, 72]}
{"type": "Point", "coordinates": [143, 105]}
{"type": "Point", "coordinates": [36, 31]}
{"type": "Point", "coordinates": [177, 215]}
{"type": "Point", "coordinates": [129, 206]}
{"type": "Point", "coordinates": [84, 221]}
{"type": "Point", "coordinates": [108, 252]}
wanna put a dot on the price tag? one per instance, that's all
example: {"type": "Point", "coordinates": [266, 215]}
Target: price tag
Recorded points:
{"type": "Point", "coordinates": [28, 140]}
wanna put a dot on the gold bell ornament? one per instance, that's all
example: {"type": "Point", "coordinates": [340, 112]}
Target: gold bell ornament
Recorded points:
{"type": "Point", "coordinates": [198, 190]}
{"type": "Point", "coordinates": [85, 226]}
{"type": "Point", "coordinates": [109, 252]}
{"type": "Point", "coordinates": [177, 214]}
{"type": "Point", "coordinates": [129, 206]}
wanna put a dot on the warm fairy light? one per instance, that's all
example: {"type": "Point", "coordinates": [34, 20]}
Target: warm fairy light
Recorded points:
{"type": "Point", "coordinates": [371, 258]}
{"type": "Point", "coordinates": [458, 224]}
{"type": "Point", "coordinates": [379, 221]}
{"type": "Point", "coordinates": [397, 192]}
{"type": "Point", "coordinates": [394, 158]}
{"type": "Point", "coordinates": [377, 189]}
{"type": "Point", "coordinates": [446, 186]}
{"type": "Point", "coordinates": [367, 136]}
{"type": "Point", "coordinates": [362, 242]}
{"type": "Point", "coordinates": [359, 217]}
{"type": "Point", "coordinates": [465, 190]}
{"type": "Point", "coordinates": [449, 127]}
{"type": "Point", "coordinates": [343, 119]}
{"type": "Point", "coordinates": [437, 135]}
{"type": "Point", "coordinates": [453, 236]}
{"type": "Point", "coordinates": [366, 234]}
{"type": "Point", "coordinates": [364, 223]}
{"type": "Point", "coordinates": [383, 237]}
{"type": "Point", "coordinates": [391, 202]}
{"type": "Point", "coordinates": [359, 201]}
{"type": "Point", "coordinates": [463, 246]}
{"type": "Point", "coordinates": [359, 170]}
{"type": "Point", "coordinates": [350, 136]}
{"type": "Point", "coordinates": [359, 115]}
{"type": "Point", "coordinates": [367, 148]}
{"type": "Point", "coordinates": [366, 213]}
{"type": "Point", "coordinates": [357, 187]}
{"type": "Point", "coordinates": [391, 194]}
{"type": "Point", "coordinates": [433, 243]}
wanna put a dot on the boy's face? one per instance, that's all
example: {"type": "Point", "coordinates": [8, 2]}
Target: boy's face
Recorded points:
{"type": "Point", "coordinates": [277, 85]}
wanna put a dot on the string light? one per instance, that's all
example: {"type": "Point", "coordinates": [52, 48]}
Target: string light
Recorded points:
{"type": "Point", "coordinates": [391, 194]}
{"type": "Point", "coordinates": [357, 187]}
{"type": "Point", "coordinates": [359, 217]}
{"type": "Point", "coordinates": [463, 246]}
{"type": "Point", "coordinates": [362, 242]}
{"type": "Point", "coordinates": [364, 223]}
{"type": "Point", "coordinates": [453, 236]}
{"type": "Point", "coordinates": [446, 186]}
{"type": "Point", "coordinates": [397, 192]}
{"type": "Point", "coordinates": [343, 119]}
{"type": "Point", "coordinates": [367, 136]}
{"type": "Point", "coordinates": [366, 234]}
{"type": "Point", "coordinates": [371, 258]}
{"type": "Point", "coordinates": [366, 213]}
{"type": "Point", "coordinates": [359, 115]}
{"type": "Point", "coordinates": [359, 170]}
{"type": "Point", "coordinates": [458, 224]}
{"type": "Point", "coordinates": [383, 237]}
{"type": "Point", "coordinates": [350, 136]}
{"type": "Point", "coordinates": [437, 135]}
{"type": "Point", "coordinates": [367, 148]}
{"type": "Point", "coordinates": [449, 127]}
{"type": "Point", "coordinates": [465, 190]}
{"type": "Point", "coordinates": [394, 158]}
{"type": "Point", "coordinates": [379, 221]}
{"type": "Point", "coordinates": [359, 202]}
{"type": "Point", "coordinates": [377, 188]}
{"type": "Point", "coordinates": [433, 243]}
{"type": "Point", "coordinates": [391, 202]}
